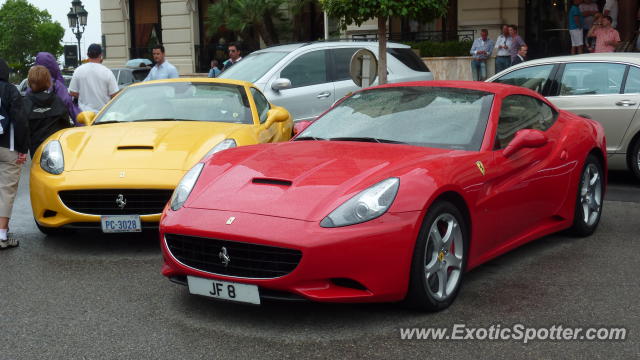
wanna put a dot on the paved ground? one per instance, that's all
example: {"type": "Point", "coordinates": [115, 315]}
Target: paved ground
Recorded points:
{"type": "Point", "coordinates": [98, 297]}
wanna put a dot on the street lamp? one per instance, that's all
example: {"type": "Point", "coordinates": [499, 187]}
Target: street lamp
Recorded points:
{"type": "Point", "coordinates": [77, 21]}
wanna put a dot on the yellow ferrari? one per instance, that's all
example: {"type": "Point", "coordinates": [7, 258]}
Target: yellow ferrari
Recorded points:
{"type": "Point", "coordinates": [117, 173]}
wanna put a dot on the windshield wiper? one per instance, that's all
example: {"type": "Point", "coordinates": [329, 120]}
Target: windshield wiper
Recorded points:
{"type": "Point", "coordinates": [106, 122]}
{"type": "Point", "coordinates": [367, 139]}
{"type": "Point", "coordinates": [301, 138]}
{"type": "Point", "coordinates": [166, 119]}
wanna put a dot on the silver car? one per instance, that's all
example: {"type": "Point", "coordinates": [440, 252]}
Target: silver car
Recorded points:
{"type": "Point", "coordinates": [307, 79]}
{"type": "Point", "coordinates": [604, 87]}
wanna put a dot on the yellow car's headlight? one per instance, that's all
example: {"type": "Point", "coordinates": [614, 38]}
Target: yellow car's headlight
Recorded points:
{"type": "Point", "coordinates": [52, 159]}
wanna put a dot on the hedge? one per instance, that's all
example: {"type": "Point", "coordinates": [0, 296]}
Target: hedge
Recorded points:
{"type": "Point", "coordinates": [440, 49]}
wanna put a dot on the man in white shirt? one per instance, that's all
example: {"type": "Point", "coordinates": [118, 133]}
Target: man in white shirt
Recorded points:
{"type": "Point", "coordinates": [503, 57]}
{"type": "Point", "coordinates": [93, 83]}
{"type": "Point", "coordinates": [163, 68]}
{"type": "Point", "coordinates": [611, 9]}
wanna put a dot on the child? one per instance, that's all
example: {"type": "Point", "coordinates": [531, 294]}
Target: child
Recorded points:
{"type": "Point", "coordinates": [45, 111]}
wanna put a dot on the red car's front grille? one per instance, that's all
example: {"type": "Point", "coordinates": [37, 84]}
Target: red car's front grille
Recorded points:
{"type": "Point", "coordinates": [233, 258]}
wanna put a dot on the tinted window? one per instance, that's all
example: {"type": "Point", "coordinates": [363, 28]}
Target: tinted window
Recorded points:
{"type": "Point", "coordinates": [252, 67]}
{"type": "Point", "coordinates": [409, 58]}
{"type": "Point", "coordinates": [633, 81]}
{"type": "Point", "coordinates": [307, 69]}
{"type": "Point", "coordinates": [591, 78]}
{"type": "Point", "coordinates": [140, 75]}
{"type": "Point", "coordinates": [261, 104]}
{"type": "Point", "coordinates": [341, 63]}
{"type": "Point", "coordinates": [125, 77]}
{"type": "Point", "coordinates": [533, 77]}
{"type": "Point", "coordinates": [522, 112]}
{"type": "Point", "coordinates": [418, 115]}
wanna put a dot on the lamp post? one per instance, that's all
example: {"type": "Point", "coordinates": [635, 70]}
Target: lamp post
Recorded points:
{"type": "Point", "coordinates": [77, 21]}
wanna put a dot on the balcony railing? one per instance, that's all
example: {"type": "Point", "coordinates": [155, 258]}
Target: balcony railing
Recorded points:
{"type": "Point", "coordinates": [435, 35]}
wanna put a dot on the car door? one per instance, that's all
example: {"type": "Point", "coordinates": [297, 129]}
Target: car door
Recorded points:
{"type": "Point", "coordinates": [340, 74]}
{"type": "Point", "coordinates": [595, 89]}
{"type": "Point", "coordinates": [529, 186]}
{"type": "Point", "coordinates": [262, 106]}
{"type": "Point", "coordinates": [311, 91]}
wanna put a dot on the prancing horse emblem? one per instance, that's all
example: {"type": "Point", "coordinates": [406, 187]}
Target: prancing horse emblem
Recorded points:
{"type": "Point", "coordinates": [121, 201]}
{"type": "Point", "coordinates": [224, 257]}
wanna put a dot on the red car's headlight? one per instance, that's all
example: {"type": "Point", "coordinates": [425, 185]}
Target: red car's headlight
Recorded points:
{"type": "Point", "coordinates": [182, 191]}
{"type": "Point", "coordinates": [367, 205]}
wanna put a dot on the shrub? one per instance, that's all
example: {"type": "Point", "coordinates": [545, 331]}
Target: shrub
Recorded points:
{"type": "Point", "coordinates": [439, 49]}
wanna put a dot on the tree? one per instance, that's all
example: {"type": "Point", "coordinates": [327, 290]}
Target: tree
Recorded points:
{"type": "Point", "coordinates": [358, 11]}
{"type": "Point", "coordinates": [26, 30]}
{"type": "Point", "coordinates": [245, 16]}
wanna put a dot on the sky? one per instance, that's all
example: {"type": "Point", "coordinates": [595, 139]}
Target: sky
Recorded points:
{"type": "Point", "coordinates": [59, 9]}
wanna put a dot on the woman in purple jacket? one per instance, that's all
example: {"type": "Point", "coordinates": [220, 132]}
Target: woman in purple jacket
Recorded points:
{"type": "Point", "coordinates": [57, 83]}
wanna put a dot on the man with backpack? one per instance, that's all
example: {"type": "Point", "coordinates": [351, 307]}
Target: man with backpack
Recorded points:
{"type": "Point", "coordinates": [14, 144]}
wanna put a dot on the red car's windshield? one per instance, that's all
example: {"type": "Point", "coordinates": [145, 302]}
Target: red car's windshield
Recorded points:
{"type": "Point", "coordinates": [439, 117]}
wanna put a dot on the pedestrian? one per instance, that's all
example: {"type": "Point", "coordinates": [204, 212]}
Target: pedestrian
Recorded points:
{"type": "Point", "coordinates": [575, 28]}
{"type": "Point", "coordinates": [516, 42]}
{"type": "Point", "coordinates": [481, 51]}
{"type": "Point", "coordinates": [588, 9]}
{"type": "Point", "coordinates": [607, 38]}
{"type": "Point", "coordinates": [591, 40]}
{"type": "Point", "coordinates": [93, 83]}
{"type": "Point", "coordinates": [611, 9]}
{"type": "Point", "coordinates": [57, 83]}
{"type": "Point", "coordinates": [503, 59]}
{"type": "Point", "coordinates": [14, 144]}
{"type": "Point", "coordinates": [521, 56]}
{"type": "Point", "coordinates": [45, 112]}
{"type": "Point", "coordinates": [234, 56]}
{"type": "Point", "coordinates": [214, 71]}
{"type": "Point", "coordinates": [163, 69]}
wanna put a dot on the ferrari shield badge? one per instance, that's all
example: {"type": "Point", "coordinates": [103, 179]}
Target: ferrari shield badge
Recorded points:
{"type": "Point", "coordinates": [231, 220]}
{"type": "Point", "coordinates": [480, 166]}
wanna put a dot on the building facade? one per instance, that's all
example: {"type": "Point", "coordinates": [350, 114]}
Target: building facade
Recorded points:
{"type": "Point", "coordinates": [131, 27]}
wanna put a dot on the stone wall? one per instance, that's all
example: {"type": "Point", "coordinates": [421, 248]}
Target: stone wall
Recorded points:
{"type": "Point", "coordinates": [455, 67]}
{"type": "Point", "coordinates": [115, 21]}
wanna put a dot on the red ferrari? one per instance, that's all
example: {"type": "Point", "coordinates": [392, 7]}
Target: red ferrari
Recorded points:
{"type": "Point", "coordinates": [391, 195]}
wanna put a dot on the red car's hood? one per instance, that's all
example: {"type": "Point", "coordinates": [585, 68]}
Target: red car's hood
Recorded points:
{"type": "Point", "coordinates": [302, 180]}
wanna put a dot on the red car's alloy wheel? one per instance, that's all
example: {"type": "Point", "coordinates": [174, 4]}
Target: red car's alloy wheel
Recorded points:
{"type": "Point", "coordinates": [443, 256]}
{"type": "Point", "coordinates": [439, 258]}
{"type": "Point", "coordinates": [589, 201]}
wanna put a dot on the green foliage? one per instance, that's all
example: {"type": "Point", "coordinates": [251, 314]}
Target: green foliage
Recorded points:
{"type": "Point", "coordinates": [439, 49]}
{"type": "Point", "coordinates": [358, 11]}
{"type": "Point", "coordinates": [245, 16]}
{"type": "Point", "coordinates": [26, 30]}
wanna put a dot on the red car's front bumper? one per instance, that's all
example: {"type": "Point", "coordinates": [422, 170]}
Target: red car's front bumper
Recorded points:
{"type": "Point", "coordinates": [368, 262]}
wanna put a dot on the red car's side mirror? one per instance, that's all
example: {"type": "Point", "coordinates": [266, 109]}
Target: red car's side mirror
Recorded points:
{"type": "Point", "coordinates": [299, 126]}
{"type": "Point", "coordinates": [525, 138]}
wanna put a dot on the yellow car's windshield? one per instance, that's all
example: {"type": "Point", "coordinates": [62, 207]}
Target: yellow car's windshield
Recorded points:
{"type": "Point", "coordinates": [183, 101]}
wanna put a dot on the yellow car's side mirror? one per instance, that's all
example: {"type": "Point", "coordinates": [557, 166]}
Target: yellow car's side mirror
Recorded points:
{"type": "Point", "coordinates": [86, 117]}
{"type": "Point", "coordinates": [277, 114]}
